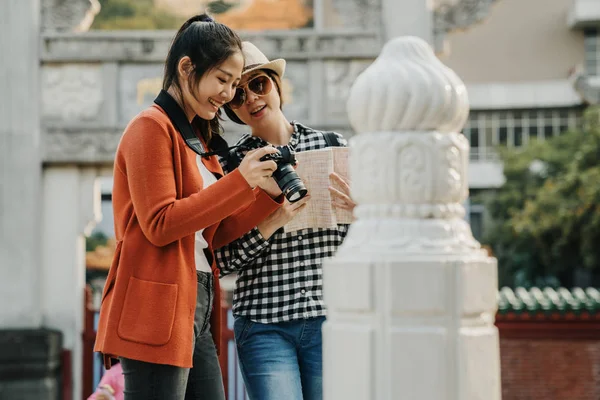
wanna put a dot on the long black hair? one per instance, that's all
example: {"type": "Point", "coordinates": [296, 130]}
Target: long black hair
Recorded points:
{"type": "Point", "coordinates": [208, 44]}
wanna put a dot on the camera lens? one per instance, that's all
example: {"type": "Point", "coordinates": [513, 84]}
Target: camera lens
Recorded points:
{"type": "Point", "coordinates": [296, 192]}
{"type": "Point", "coordinates": [289, 182]}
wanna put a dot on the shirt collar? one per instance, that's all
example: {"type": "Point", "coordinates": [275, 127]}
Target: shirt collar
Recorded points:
{"type": "Point", "coordinates": [256, 142]}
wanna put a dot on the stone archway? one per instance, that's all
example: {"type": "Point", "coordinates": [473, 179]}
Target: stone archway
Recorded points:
{"type": "Point", "coordinates": [51, 157]}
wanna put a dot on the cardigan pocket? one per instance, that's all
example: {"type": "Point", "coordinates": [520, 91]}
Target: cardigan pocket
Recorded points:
{"type": "Point", "coordinates": [148, 312]}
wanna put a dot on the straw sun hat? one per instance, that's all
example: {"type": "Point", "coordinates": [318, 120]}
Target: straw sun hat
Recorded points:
{"type": "Point", "coordinates": [255, 59]}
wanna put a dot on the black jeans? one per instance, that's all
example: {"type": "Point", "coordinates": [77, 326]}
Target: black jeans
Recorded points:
{"type": "Point", "coordinates": [148, 381]}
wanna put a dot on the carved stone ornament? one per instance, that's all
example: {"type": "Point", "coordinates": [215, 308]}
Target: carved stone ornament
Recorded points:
{"type": "Point", "coordinates": [72, 92]}
{"type": "Point", "coordinates": [358, 14]}
{"type": "Point", "coordinates": [410, 290]}
{"type": "Point", "coordinates": [407, 88]}
{"type": "Point", "coordinates": [458, 14]}
{"type": "Point", "coordinates": [449, 15]}
{"type": "Point", "coordinates": [80, 146]}
{"type": "Point", "coordinates": [68, 15]}
{"type": "Point", "coordinates": [339, 77]}
{"type": "Point", "coordinates": [408, 109]}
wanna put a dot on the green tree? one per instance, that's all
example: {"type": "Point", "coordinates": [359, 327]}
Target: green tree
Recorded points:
{"type": "Point", "coordinates": [218, 6]}
{"type": "Point", "coordinates": [547, 215]}
{"type": "Point", "coordinates": [133, 14]}
{"type": "Point", "coordinates": [94, 240]}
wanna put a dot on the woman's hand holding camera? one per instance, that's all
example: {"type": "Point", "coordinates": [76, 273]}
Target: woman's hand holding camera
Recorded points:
{"type": "Point", "coordinates": [271, 188]}
{"type": "Point", "coordinates": [281, 216]}
{"type": "Point", "coordinates": [257, 172]}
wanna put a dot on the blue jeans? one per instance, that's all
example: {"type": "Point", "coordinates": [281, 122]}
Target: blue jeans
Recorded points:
{"type": "Point", "coordinates": [281, 360]}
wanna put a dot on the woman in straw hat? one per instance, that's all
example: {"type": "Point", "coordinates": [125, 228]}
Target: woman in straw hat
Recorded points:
{"type": "Point", "coordinates": [278, 299]}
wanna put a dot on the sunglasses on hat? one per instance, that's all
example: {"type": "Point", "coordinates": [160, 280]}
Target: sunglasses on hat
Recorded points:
{"type": "Point", "coordinates": [260, 85]}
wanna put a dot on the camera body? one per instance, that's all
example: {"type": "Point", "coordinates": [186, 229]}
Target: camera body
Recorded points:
{"type": "Point", "coordinates": [285, 155]}
{"type": "Point", "coordinates": [285, 175]}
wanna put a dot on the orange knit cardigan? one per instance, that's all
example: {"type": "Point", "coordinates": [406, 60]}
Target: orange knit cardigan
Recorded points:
{"type": "Point", "coordinates": [149, 299]}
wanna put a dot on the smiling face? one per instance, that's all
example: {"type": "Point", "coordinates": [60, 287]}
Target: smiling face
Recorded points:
{"type": "Point", "coordinates": [259, 110]}
{"type": "Point", "coordinates": [215, 88]}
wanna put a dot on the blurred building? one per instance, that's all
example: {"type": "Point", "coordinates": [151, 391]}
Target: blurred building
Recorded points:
{"type": "Point", "coordinates": [182, 8]}
{"type": "Point", "coordinates": [246, 14]}
{"type": "Point", "coordinates": [531, 67]}
{"type": "Point", "coordinates": [529, 74]}
{"type": "Point", "coordinates": [268, 14]}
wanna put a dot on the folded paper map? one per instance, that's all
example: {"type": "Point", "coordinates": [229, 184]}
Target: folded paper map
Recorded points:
{"type": "Point", "coordinates": [314, 167]}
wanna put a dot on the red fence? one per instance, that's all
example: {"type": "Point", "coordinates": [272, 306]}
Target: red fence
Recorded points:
{"type": "Point", "coordinates": [66, 360]}
{"type": "Point", "coordinates": [551, 354]}
{"type": "Point", "coordinates": [92, 363]}
{"type": "Point", "coordinates": [89, 337]}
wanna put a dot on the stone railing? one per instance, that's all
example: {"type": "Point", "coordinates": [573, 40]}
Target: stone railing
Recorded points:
{"type": "Point", "coordinates": [152, 46]}
{"type": "Point", "coordinates": [93, 83]}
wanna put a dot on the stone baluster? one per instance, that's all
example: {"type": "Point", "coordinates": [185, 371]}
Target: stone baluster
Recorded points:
{"type": "Point", "coordinates": [29, 354]}
{"type": "Point", "coordinates": [411, 295]}
{"type": "Point", "coordinates": [20, 165]}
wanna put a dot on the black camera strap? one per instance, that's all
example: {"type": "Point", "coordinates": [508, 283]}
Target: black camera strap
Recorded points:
{"type": "Point", "coordinates": [331, 139]}
{"type": "Point", "coordinates": [181, 122]}
{"type": "Point", "coordinates": [185, 128]}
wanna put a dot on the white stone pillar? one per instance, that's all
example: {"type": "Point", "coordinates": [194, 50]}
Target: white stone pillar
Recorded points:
{"type": "Point", "coordinates": [20, 164]}
{"type": "Point", "coordinates": [71, 208]}
{"type": "Point", "coordinates": [407, 17]}
{"type": "Point", "coordinates": [411, 296]}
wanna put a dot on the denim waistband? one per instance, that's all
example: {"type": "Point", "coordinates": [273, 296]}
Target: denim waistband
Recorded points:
{"type": "Point", "coordinates": [205, 279]}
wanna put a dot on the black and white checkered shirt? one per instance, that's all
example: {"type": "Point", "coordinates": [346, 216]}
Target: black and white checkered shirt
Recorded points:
{"type": "Point", "coordinates": [280, 278]}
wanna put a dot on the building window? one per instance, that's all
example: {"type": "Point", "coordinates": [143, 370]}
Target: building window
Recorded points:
{"type": "Point", "coordinates": [515, 128]}
{"type": "Point", "coordinates": [476, 221]}
{"type": "Point", "coordinates": [592, 52]}
{"type": "Point", "coordinates": [474, 216]}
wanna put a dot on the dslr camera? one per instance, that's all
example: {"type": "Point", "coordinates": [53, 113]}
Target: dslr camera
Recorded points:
{"type": "Point", "coordinates": [286, 177]}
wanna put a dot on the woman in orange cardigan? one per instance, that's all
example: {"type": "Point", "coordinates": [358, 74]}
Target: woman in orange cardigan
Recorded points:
{"type": "Point", "coordinates": [172, 207]}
